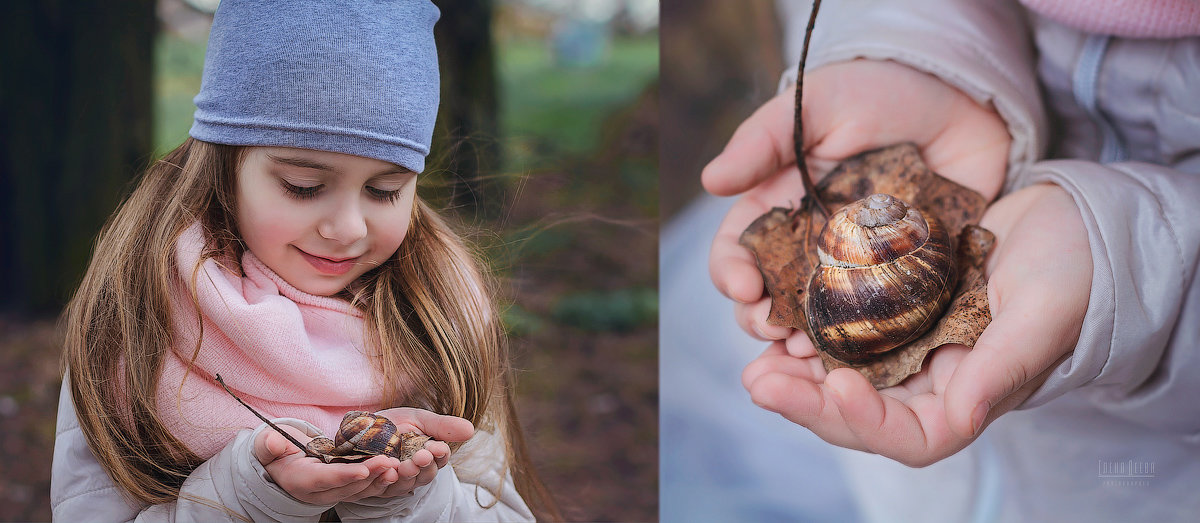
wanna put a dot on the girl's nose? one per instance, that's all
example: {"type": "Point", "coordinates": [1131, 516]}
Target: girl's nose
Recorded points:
{"type": "Point", "coordinates": [345, 225]}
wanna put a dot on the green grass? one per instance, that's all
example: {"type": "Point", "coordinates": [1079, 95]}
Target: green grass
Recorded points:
{"type": "Point", "coordinates": [550, 111]}
{"type": "Point", "coordinates": [178, 66]}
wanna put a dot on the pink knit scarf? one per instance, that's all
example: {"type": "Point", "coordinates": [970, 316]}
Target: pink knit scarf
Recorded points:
{"type": "Point", "coordinates": [285, 352]}
{"type": "Point", "coordinates": [1127, 18]}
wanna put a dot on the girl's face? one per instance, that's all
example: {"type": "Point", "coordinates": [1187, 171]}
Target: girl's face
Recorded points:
{"type": "Point", "coordinates": [321, 219]}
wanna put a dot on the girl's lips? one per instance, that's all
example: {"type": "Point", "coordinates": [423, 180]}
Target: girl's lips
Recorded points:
{"type": "Point", "coordinates": [328, 266]}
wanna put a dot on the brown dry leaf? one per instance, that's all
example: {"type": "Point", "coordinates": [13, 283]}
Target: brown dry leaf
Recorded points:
{"type": "Point", "coordinates": [784, 244]}
{"type": "Point", "coordinates": [898, 170]}
{"type": "Point", "coordinates": [775, 238]}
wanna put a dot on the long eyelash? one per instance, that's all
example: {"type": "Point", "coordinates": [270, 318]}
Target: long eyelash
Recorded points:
{"type": "Point", "coordinates": [300, 193]}
{"type": "Point", "coordinates": [384, 196]}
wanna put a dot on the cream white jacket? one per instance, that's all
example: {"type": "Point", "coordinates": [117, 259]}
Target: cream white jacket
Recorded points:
{"type": "Point", "coordinates": [241, 489]}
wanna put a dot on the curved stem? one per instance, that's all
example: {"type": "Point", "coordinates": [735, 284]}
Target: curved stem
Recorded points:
{"type": "Point", "coordinates": [810, 190]}
{"type": "Point", "coordinates": [294, 441]}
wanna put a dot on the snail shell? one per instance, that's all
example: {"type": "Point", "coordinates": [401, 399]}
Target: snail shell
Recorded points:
{"type": "Point", "coordinates": [886, 272]}
{"type": "Point", "coordinates": [362, 435]}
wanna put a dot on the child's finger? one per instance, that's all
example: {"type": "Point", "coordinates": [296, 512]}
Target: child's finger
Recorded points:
{"type": "Point", "coordinates": [408, 469]}
{"type": "Point", "coordinates": [270, 446]}
{"type": "Point", "coordinates": [799, 345]}
{"type": "Point", "coordinates": [440, 452]}
{"type": "Point", "coordinates": [403, 487]}
{"type": "Point", "coordinates": [759, 147]}
{"type": "Point", "coordinates": [804, 403]}
{"type": "Point", "coordinates": [325, 477]}
{"type": "Point", "coordinates": [934, 374]}
{"type": "Point", "coordinates": [752, 317]}
{"type": "Point", "coordinates": [1012, 350]}
{"type": "Point", "coordinates": [426, 475]}
{"type": "Point", "coordinates": [386, 473]}
{"type": "Point", "coordinates": [731, 266]}
{"type": "Point", "coordinates": [437, 426]}
{"type": "Point", "coordinates": [420, 470]}
{"type": "Point", "coordinates": [445, 428]}
{"type": "Point", "coordinates": [776, 360]}
{"type": "Point", "coordinates": [377, 487]}
{"type": "Point", "coordinates": [422, 458]}
{"type": "Point", "coordinates": [381, 464]}
{"type": "Point", "coordinates": [884, 425]}
{"type": "Point", "coordinates": [355, 489]}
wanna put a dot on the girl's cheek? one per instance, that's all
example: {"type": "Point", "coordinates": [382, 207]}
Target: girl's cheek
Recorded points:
{"type": "Point", "coordinates": [393, 223]}
{"type": "Point", "coordinates": [274, 224]}
{"type": "Point", "coordinates": [391, 237]}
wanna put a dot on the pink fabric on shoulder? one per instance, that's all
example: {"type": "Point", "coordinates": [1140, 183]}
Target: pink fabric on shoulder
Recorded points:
{"type": "Point", "coordinates": [1125, 18]}
{"type": "Point", "coordinates": [287, 353]}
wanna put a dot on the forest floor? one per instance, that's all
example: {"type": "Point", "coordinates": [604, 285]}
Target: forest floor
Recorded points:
{"type": "Point", "coordinates": [589, 386]}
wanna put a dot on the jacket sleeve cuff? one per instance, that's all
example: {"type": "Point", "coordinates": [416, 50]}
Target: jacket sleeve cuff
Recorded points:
{"type": "Point", "coordinates": [1144, 244]}
{"type": "Point", "coordinates": [981, 48]}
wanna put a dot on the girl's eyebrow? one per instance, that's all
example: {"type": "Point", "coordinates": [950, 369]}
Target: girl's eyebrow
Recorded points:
{"type": "Point", "coordinates": [300, 162]}
{"type": "Point", "coordinates": [312, 164]}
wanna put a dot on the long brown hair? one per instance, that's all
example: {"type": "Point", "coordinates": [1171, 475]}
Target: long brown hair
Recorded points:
{"type": "Point", "coordinates": [428, 309]}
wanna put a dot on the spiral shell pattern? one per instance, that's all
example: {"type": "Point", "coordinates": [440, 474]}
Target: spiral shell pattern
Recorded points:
{"type": "Point", "coordinates": [886, 273]}
{"type": "Point", "coordinates": [364, 434]}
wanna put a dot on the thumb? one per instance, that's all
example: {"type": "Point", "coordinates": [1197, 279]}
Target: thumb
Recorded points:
{"type": "Point", "coordinates": [270, 446]}
{"type": "Point", "coordinates": [447, 428]}
{"type": "Point", "coordinates": [438, 426]}
{"type": "Point", "coordinates": [758, 149]}
{"type": "Point", "coordinates": [1013, 350]}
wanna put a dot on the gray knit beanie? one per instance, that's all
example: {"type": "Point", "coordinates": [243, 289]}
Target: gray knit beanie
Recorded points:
{"type": "Point", "coordinates": [357, 77]}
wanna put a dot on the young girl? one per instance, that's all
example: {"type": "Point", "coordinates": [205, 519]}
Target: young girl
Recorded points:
{"type": "Point", "coordinates": [282, 246]}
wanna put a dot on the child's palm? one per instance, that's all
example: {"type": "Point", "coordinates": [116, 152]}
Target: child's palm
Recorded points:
{"type": "Point", "coordinates": [423, 466]}
{"type": "Point", "coordinates": [312, 481]}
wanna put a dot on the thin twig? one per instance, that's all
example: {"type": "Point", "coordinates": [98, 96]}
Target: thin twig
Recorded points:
{"type": "Point", "coordinates": [810, 190]}
{"type": "Point", "coordinates": [269, 423]}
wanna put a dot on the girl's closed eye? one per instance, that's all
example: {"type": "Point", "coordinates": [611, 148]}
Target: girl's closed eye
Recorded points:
{"type": "Point", "coordinates": [300, 192]}
{"type": "Point", "coordinates": [385, 195]}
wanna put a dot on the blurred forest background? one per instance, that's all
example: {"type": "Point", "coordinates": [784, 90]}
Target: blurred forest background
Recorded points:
{"type": "Point", "coordinates": [547, 145]}
{"type": "Point", "coordinates": [720, 61]}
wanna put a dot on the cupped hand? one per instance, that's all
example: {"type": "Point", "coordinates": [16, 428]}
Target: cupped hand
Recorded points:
{"type": "Point", "coordinates": [849, 107]}
{"type": "Point", "coordinates": [1039, 283]}
{"type": "Point", "coordinates": [423, 466]}
{"type": "Point", "coordinates": [313, 481]}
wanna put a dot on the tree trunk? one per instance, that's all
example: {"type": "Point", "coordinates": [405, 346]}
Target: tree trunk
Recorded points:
{"type": "Point", "coordinates": [720, 61]}
{"type": "Point", "coordinates": [466, 151]}
{"type": "Point", "coordinates": [75, 102]}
